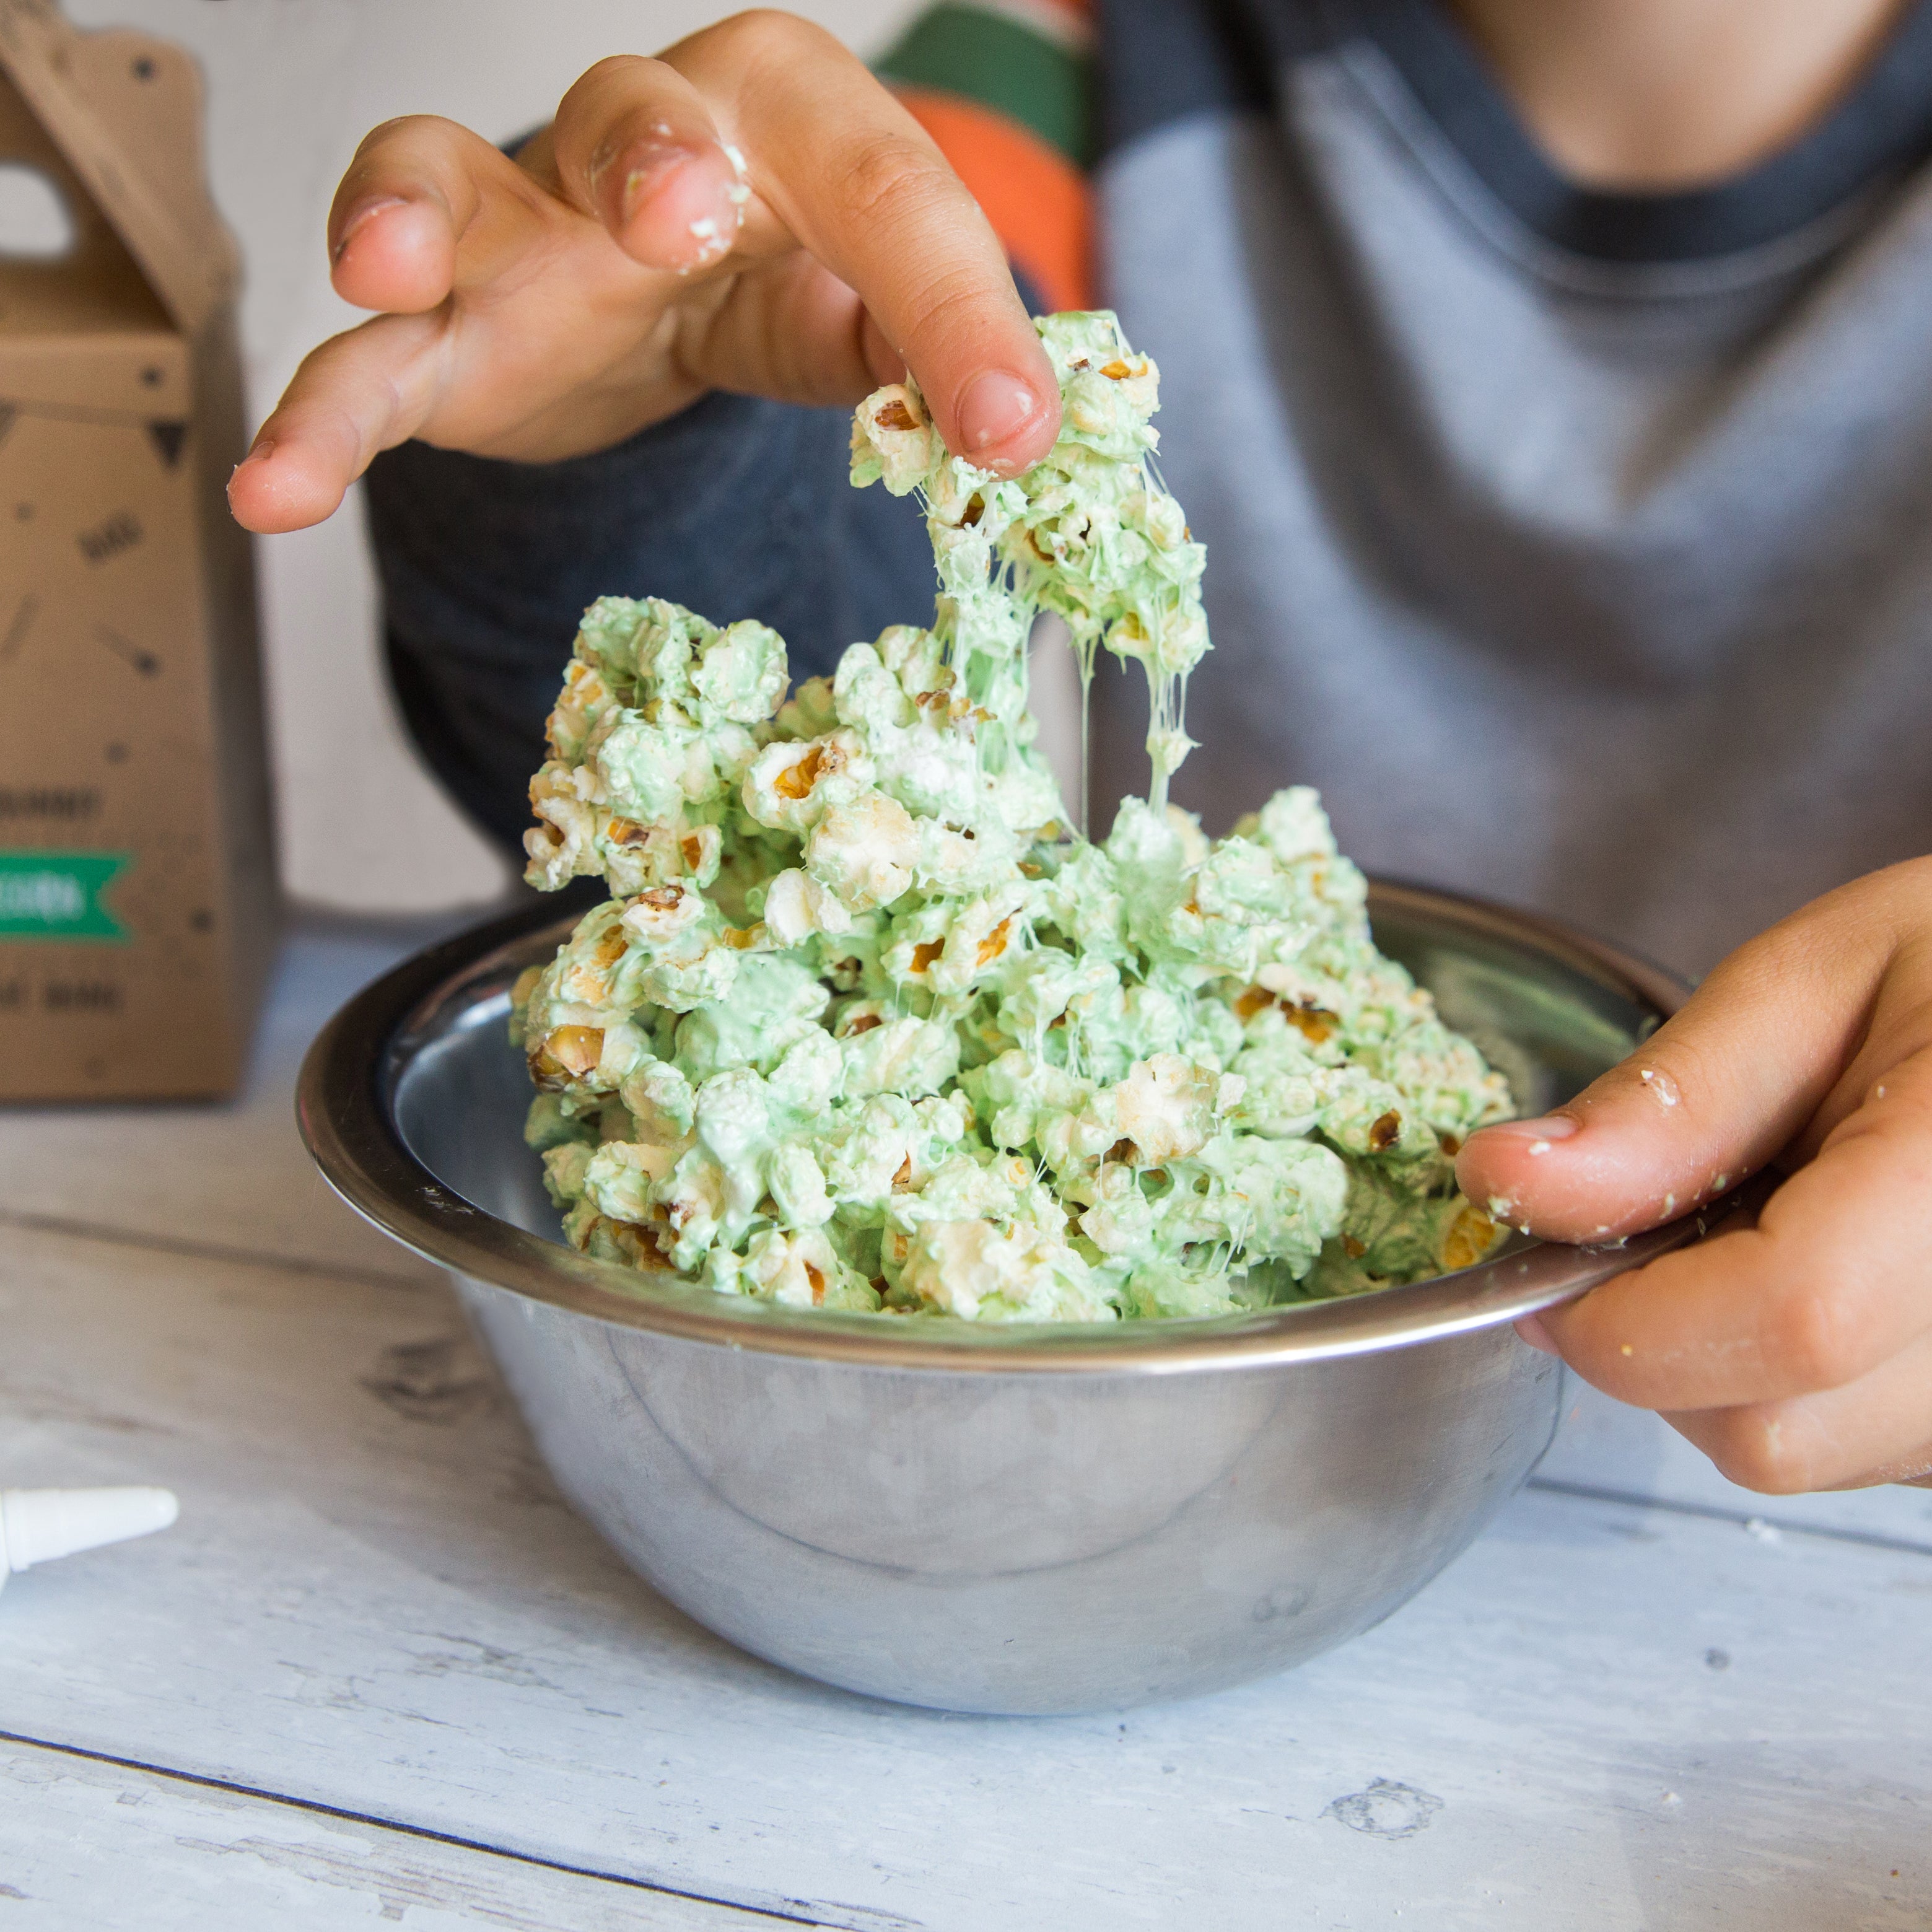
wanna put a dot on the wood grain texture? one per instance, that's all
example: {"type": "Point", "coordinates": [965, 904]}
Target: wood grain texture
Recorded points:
{"type": "Point", "coordinates": [84, 1843]}
{"type": "Point", "coordinates": [1605, 1714]}
{"type": "Point", "coordinates": [374, 1600]}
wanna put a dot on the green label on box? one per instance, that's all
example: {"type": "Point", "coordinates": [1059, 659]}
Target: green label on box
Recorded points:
{"type": "Point", "coordinates": [57, 895]}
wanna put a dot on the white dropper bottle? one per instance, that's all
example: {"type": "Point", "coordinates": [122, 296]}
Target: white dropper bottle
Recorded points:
{"type": "Point", "coordinates": [37, 1525]}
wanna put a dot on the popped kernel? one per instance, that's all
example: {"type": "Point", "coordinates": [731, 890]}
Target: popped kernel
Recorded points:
{"type": "Point", "coordinates": [864, 1028]}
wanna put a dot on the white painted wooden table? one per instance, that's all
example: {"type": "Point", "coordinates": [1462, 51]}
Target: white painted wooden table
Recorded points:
{"type": "Point", "coordinates": [379, 1672]}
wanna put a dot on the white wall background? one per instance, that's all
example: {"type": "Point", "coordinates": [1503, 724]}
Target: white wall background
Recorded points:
{"type": "Point", "coordinates": [292, 86]}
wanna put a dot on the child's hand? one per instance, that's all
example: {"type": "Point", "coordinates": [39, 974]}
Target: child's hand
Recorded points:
{"type": "Point", "coordinates": [751, 211]}
{"type": "Point", "coordinates": [1797, 1354]}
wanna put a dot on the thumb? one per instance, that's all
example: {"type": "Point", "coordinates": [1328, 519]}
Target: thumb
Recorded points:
{"type": "Point", "coordinates": [1711, 1096]}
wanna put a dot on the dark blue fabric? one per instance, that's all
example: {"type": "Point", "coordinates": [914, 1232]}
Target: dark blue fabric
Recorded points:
{"type": "Point", "coordinates": [1161, 60]}
{"type": "Point", "coordinates": [736, 507]}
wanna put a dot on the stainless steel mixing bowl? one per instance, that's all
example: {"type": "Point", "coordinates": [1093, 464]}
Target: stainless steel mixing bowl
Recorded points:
{"type": "Point", "coordinates": [994, 1519]}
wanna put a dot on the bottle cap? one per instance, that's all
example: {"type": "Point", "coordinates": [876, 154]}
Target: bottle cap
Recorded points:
{"type": "Point", "coordinates": [38, 1525]}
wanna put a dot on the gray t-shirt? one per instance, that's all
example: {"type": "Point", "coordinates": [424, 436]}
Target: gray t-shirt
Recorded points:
{"type": "Point", "coordinates": [1578, 547]}
{"type": "Point", "coordinates": [1575, 545]}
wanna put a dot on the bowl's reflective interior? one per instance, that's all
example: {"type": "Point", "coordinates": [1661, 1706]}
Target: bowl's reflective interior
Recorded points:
{"type": "Point", "coordinates": [1548, 1025]}
{"type": "Point", "coordinates": [459, 1089]}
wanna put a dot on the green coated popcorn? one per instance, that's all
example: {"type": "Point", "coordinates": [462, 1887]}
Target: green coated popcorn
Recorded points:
{"type": "Point", "coordinates": [866, 1024]}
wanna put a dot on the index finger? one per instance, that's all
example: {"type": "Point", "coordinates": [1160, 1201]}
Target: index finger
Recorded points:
{"type": "Point", "coordinates": [851, 175]}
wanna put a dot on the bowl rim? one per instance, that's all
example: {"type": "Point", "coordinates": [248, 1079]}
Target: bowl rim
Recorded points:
{"type": "Point", "coordinates": [345, 1111]}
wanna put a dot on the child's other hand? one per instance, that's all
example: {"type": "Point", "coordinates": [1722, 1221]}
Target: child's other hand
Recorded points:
{"type": "Point", "coordinates": [1797, 1353]}
{"type": "Point", "coordinates": [750, 211]}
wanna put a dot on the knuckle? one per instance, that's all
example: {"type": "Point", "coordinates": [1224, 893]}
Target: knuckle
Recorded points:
{"type": "Point", "coordinates": [612, 66]}
{"type": "Point", "coordinates": [407, 133]}
{"type": "Point", "coordinates": [887, 181]}
{"type": "Point", "coordinates": [950, 308]}
{"type": "Point", "coordinates": [1816, 1340]}
{"type": "Point", "coordinates": [1753, 1449]}
{"type": "Point", "coordinates": [1914, 876]}
{"type": "Point", "coordinates": [587, 102]}
{"type": "Point", "coordinates": [384, 134]}
{"type": "Point", "coordinates": [759, 32]}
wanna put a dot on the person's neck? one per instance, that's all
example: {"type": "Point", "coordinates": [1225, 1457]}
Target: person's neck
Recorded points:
{"type": "Point", "coordinates": [1648, 96]}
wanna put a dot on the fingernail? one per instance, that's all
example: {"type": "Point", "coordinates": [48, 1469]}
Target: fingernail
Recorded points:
{"type": "Point", "coordinates": [1550, 1127]}
{"type": "Point", "coordinates": [263, 447]}
{"type": "Point", "coordinates": [995, 406]}
{"type": "Point", "coordinates": [1532, 1329]}
{"type": "Point", "coordinates": [360, 218]}
{"type": "Point", "coordinates": [645, 170]}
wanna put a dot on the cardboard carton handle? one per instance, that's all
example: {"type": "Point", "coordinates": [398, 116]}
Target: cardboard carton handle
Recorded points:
{"type": "Point", "coordinates": [36, 222]}
{"type": "Point", "coordinates": [122, 111]}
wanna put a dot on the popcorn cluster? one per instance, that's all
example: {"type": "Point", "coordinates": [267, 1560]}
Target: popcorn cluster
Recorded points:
{"type": "Point", "coordinates": [863, 1026]}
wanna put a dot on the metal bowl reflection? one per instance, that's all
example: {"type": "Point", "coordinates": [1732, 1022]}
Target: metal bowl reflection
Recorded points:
{"type": "Point", "coordinates": [1001, 1519]}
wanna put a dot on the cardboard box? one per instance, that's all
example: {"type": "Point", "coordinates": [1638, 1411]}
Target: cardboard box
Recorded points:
{"type": "Point", "coordinates": [138, 902]}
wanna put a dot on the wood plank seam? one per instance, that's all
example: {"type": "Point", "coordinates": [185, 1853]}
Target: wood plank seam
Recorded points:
{"type": "Point", "coordinates": [1784, 1525]}
{"type": "Point", "coordinates": [778, 1915]}
{"type": "Point", "coordinates": [203, 1251]}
